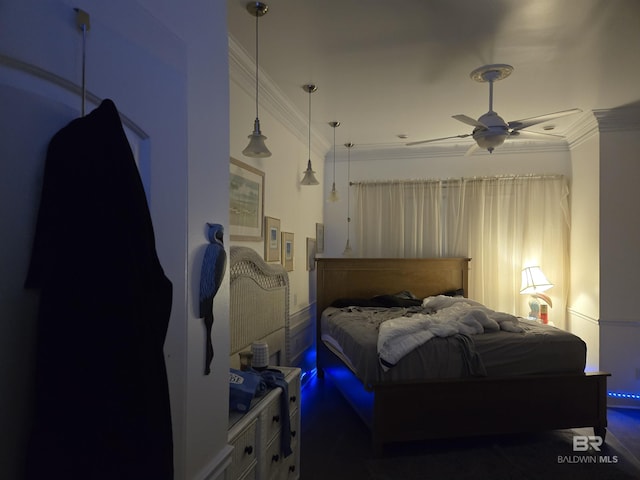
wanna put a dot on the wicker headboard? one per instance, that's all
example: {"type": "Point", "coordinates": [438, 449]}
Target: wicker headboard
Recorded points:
{"type": "Point", "coordinates": [259, 305]}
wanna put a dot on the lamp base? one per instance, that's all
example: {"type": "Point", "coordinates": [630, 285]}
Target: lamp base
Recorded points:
{"type": "Point", "coordinates": [534, 308]}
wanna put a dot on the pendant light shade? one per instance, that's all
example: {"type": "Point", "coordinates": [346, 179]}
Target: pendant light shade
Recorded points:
{"type": "Point", "coordinates": [257, 147]}
{"type": "Point", "coordinates": [309, 175]}
{"type": "Point", "coordinates": [347, 249]}
{"type": "Point", "coordinates": [333, 195]}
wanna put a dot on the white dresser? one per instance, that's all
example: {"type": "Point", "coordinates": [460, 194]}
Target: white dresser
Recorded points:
{"type": "Point", "coordinates": [255, 436]}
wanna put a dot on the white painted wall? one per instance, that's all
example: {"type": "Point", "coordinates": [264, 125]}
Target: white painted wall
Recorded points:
{"type": "Point", "coordinates": [619, 256]}
{"type": "Point", "coordinates": [165, 66]}
{"type": "Point", "coordinates": [583, 307]}
{"type": "Point", "coordinates": [298, 207]}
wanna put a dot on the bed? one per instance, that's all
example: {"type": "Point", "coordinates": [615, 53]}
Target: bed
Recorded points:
{"type": "Point", "coordinates": [397, 409]}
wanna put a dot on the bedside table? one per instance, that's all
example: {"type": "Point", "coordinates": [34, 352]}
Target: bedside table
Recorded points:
{"type": "Point", "coordinates": [255, 435]}
{"type": "Point", "coordinates": [537, 320]}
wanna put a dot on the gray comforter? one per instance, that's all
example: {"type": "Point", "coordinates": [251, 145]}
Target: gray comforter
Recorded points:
{"type": "Point", "coordinates": [353, 334]}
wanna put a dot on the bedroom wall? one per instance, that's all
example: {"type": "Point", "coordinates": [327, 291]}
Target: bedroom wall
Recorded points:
{"type": "Point", "coordinates": [297, 207]}
{"type": "Point", "coordinates": [583, 307]}
{"type": "Point", "coordinates": [619, 256]}
{"type": "Point", "coordinates": [165, 67]}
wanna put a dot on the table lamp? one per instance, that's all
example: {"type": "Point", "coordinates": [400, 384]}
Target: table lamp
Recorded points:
{"type": "Point", "coordinates": [534, 282]}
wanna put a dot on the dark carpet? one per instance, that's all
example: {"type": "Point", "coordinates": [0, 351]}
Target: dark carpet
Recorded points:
{"type": "Point", "coordinates": [336, 445]}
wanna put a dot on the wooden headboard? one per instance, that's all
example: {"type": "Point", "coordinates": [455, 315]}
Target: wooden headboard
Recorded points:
{"type": "Point", "coordinates": [259, 305]}
{"type": "Point", "coordinates": [367, 277]}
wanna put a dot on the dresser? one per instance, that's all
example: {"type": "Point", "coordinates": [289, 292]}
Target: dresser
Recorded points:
{"type": "Point", "coordinates": [255, 435]}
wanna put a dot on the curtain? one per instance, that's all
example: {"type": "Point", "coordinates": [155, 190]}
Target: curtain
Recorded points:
{"type": "Point", "coordinates": [399, 219]}
{"type": "Point", "coordinates": [502, 223]}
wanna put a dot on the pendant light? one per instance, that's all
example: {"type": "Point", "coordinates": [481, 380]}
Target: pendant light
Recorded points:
{"type": "Point", "coordinates": [347, 249]}
{"type": "Point", "coordinates": [333, 195]}
{"type": "Point", "coordinates": [256, 147]}
{"type": "Point", "coordinates": [309, 175]}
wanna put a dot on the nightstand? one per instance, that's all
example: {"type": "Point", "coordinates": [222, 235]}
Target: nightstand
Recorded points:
{"type": "Point", "coordinates": [255, 435]}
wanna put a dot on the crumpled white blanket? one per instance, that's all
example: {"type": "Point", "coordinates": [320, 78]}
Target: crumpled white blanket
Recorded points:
{"type": "Point", "coordinates": [451, 315]}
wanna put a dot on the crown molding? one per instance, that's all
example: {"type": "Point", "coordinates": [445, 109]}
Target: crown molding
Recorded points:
{"type": "Point", "coordinates": [582, 130]}
{"type": "Point", "coordinates": [620, 119]}
{"type": "Point", "coordinates": [453, 148]}
{"type": "Point", "coordinates": [242, 72]}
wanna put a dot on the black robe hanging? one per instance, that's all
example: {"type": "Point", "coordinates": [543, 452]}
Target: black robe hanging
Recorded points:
{"type": "Point", "coordinates": [102, 400]}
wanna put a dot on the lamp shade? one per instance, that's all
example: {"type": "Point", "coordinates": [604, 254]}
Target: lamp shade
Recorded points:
{"type": "Point", "coordinates": [309, 176]}
{"type": "Point", "coordinates": [256, 147]}
{"type": "Point", "coordinates": [334, 196]}
{"type": "Point", "coordinates": [534, 281]}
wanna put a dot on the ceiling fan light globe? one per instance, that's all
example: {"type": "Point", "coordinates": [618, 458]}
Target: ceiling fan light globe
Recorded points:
{"type": "Point", "coordinates": [489, 142]}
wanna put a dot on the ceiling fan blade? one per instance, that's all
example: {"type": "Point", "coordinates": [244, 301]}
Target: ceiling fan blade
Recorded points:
{"type": "Point", "coordinates": [472, 149]}
{"type": "Point", "coordinates": [527, 122]}
{"type": "Point", "coordinates": [437, 139]}
{"type": "Point", "coordinates": [470, 121]}
{"type": "Point", "coordinates": [524, 135]}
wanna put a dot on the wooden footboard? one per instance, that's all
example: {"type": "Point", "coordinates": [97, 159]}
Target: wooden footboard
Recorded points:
{"type": "Point", "coordinates": [485, 406]}
{"type": "Point", "coordinates": [451, 408]}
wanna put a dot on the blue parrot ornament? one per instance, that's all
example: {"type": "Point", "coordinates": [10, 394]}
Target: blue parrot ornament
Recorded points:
{"type": "Point", "coordinates": [214, 265]}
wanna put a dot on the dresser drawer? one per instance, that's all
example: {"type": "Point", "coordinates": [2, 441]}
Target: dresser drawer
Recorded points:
{"type": "Point", "coordinates": [270, 420]}
{"type": "Point", "coordinates": [277, 465]}
{"type": "Point", "coordinates": [275, 462]}
{"type": "Point", "coordinates": [251, 474]}
{"type": "Point", "coordinates": [294, 394]}
{"type": "Point", "coordinates": [295, 432]}
{"type": "Point", "coordinates": [245, 446]}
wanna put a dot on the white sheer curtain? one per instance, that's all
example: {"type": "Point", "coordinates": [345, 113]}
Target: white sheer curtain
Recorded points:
{"type": "Point", "coordinates": [399, 219]}
{"type": "Point", "coordinates": [502, 223]}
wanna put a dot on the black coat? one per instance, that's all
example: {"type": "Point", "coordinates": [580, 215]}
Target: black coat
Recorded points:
{"type": "Point", "coordinates": [102, 400]}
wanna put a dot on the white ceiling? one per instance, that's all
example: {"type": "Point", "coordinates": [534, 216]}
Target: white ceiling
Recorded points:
{"type": "Point", "coordinates": [385, 68]}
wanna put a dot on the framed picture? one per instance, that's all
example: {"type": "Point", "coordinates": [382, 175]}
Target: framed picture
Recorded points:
{"type": "Point", "coordinates": [311, 253]}
{"type": "Point", "coordinates": [246, 202]}
{"type": "Point", "coordinates": [271, 239]}
{"type": "Point", "coordinates": [287, 251]}
{"type": "Point", "coordinates": [319, 237]}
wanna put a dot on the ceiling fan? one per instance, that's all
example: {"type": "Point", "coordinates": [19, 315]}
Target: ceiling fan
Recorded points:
{"type": "Point", "coordinates": [490, 130]}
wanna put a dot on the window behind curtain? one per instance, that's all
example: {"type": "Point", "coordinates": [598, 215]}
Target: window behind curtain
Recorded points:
{"type": "Point", "coordinates": [501, 223]}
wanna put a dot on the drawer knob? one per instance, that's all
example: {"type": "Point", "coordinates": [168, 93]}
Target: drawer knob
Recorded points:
{"type": "Point", "coordinates": [248, 449]}
{"type": "Point", "coordinates": [292, 468]}
{"type": "Point", "coordinates": [275, 458]}
{"type": "Point", "coordinates": [276, 418]}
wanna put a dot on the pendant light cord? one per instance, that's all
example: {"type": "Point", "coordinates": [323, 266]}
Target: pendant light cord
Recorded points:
{"type": "Point", "coordinates": [349, 145]}
{"type": "Point", "coordinates": [310, 90]}
{"type": "Point", "coordinates": [334, 155]}
{"type": "Point", "coordinates": [257, 64]}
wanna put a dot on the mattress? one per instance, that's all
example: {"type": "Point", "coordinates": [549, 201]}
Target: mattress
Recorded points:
{"type": "Point", "coordinates": [352, 334]}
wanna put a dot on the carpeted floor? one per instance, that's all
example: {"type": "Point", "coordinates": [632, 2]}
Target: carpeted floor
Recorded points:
{"type": "Point", "coordinates": [336, 446]}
